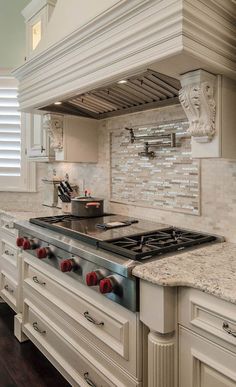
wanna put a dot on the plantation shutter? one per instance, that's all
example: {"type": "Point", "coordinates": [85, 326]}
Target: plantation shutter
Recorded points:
{"type": "Point", "coordinates": [10, 132]}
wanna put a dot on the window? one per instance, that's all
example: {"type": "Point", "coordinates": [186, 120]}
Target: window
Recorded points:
{"type": "Point", "coordinates": [15, 172]}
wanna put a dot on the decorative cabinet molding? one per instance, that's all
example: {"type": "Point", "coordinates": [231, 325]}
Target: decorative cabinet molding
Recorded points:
{"type": "Point", "coordinates": [160, 317]}
{"type": "Point", "coordinates": [161, 364]}
{"type": "Point", "coordinates": [209, 103]}
{"type": "Point", "coordinates": [53, 124]}
{"type": "Point", "coordinates": [38, 141]}
{"type": "Point", "coordinates": [197, 97]}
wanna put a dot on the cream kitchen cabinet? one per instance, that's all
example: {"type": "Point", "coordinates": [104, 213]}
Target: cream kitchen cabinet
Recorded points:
{"type": "Point", "coordinates": [80, 140]}
{"type": "Point", "coordinates": [207, 340]}
{"type": "Point", "coordinates": [202, 363]}
{"type": "Point", "coordinates": [38, 141]}
{"type": "Point", "coordinates": [10, 264]}
{"type": "Point", "coordinates": [192, 339]}
{"type": "Point", "coordinates": [54, 317]}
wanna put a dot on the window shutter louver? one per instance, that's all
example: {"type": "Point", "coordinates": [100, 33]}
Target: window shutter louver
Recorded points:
{"type": "Point", "coordinates": [10, 129]}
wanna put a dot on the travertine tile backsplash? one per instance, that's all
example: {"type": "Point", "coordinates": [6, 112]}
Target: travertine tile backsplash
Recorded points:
{"type": "Point", "coordinates": [217, 192]}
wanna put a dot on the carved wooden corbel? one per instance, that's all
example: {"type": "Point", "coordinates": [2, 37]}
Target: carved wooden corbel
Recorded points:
{"type": "Point", "coordinates": [54, 125]}
{"type": "Point", "coordinates": [197, 99]}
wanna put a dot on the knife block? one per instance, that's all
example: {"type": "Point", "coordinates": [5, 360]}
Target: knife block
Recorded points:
{"type": "Point", "coordinates": [66, 208]}
{"type": "Point", "coordinates": [50, 197]}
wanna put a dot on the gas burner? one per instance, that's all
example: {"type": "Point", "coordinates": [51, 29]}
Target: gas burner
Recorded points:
{"type": "Point", "coordinates": [159, 242]}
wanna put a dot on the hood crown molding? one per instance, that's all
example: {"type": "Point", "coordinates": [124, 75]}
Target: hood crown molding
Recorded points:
{"type": "Point", "coordinates": [35, 6]}
{"type": "Point", "coordinates": [171, 36]}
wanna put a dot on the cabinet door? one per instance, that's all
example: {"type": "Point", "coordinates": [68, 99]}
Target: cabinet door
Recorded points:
{"type": "Point", "coordinates": [38, 140]}
{"type": "Point", "coordinates": [203, 363]}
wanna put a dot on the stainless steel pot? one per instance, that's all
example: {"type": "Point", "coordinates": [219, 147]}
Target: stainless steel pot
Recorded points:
{"type": "Point", "coordinates": [87, 206]}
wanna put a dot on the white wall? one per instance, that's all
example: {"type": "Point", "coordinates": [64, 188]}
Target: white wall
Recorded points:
{"type": "Point", "coordinates": [12, 33]}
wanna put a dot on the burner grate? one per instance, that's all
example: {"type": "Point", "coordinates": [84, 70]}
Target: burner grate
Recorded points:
{"type": "Point", "coordinates": [160, 242]}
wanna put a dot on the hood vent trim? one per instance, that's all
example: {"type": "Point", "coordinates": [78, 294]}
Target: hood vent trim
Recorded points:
{"type": "Point", "coordinates": [145, 91]}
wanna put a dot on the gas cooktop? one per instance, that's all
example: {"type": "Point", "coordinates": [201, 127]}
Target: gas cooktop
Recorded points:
{"type": "Point", "coordinates": [128, 237]}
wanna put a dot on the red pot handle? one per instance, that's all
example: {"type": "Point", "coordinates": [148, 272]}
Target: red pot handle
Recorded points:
{"type": "Point", "coordinates": [93, 204]}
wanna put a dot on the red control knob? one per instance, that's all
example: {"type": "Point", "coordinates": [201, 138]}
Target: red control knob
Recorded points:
{"type": "Point", "coordinates": [26, 245]}
{"type": "Point", "coordinates": [92, 278]}
{"type": "Point", "coordinates": [19, 241]}
{"type": "Point", "coordinates": [67, 265]}
{"type": "Point", "coordinates": [106, 286]}
{"type": "Point", "coordinates": [42, 252]}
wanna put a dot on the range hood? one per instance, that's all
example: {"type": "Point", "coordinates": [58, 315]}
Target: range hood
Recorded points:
{"type": "Point", "coordinates": [147, 90]}
{"type": "Point", "coordinates": [89, 46]}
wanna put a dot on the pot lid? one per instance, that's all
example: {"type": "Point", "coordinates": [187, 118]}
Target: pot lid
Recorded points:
{"type": "Point", "coordinates": [86, 199]}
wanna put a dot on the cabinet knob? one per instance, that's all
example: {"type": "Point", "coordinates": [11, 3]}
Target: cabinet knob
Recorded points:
{"type": "Point", "coordinates": [42, 149]}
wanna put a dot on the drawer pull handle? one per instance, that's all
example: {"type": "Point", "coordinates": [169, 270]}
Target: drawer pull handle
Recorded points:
{"type": "Point", "coordinates": [36, 328]}
{"type": "Point", "coordinates": [9, 226]}
{"type": "Point", "coordinates": [6, 287]}
{"type": "Point", "coordinates": [92, 320]}
{"type": "Point", "coordinates": [7, 252]}
{"type": "Point", "coordinates": [227, 329]}
{"type": "Point", "coordinates": [88, 381]}
{"type": "Point", "coordinates": [35, 279]}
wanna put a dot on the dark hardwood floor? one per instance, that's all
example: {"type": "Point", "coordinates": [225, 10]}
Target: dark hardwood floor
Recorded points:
{"type": "Point", "coordinates": [23, 365]}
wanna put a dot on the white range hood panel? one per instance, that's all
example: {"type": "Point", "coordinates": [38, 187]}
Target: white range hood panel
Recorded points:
{"type": "Point", "coordinates": [71, 15]}
{"type": "Point", "coordinates": [82, 51]}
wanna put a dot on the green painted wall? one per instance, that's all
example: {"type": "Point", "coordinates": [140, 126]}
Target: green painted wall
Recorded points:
{"type": "Point", "coordinates": [12, 33]}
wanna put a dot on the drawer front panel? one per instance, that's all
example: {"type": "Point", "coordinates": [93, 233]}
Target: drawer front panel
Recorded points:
{"type": "Point", "coordinates": [112, 330]}
{"type": "Point", "coordinates": [9, 290]}
{"type": "Point", "coordinates": [78, 367]}
{"type": "Point", "coordinates": [203, 363]}
{"type": "Point", "coordinates": [208, 315]}
{"type": "Point", "coordinates": [7, 224]}
{"type": "Point", "coordinates": [9, 252]}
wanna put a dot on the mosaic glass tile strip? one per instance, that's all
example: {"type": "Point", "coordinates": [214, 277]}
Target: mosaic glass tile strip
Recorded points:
{"type": "Point", "coordinates": [168, 181]}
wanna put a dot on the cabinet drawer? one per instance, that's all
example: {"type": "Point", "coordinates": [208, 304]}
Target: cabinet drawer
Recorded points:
{"type": "Point", "coordinates": [113, 330]}
{"type": "Point", "coordinates": [203, 363]}
{"type": "Point", "coordinates": [78, 367]}
{"type": "Point", "coordinates": [7, 224]}
{"type": "Point", "coordinates": [9, 252]}
{"type": "Point", "coordinates": [206, 314]}
{"type": "Point", "coordinates": [115, 333]}
{"type": "Point", "coordinates": [9, 290]}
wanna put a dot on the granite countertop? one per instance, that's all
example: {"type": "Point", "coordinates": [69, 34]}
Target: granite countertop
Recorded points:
{"type": "Point", "coordinates": [211, 269]}
{"type": "Point", "coordinates": [27, 214]}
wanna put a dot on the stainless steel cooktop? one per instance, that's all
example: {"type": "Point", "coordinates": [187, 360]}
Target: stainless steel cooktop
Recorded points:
{"type": "Point", "coordinates": [132, 238]}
